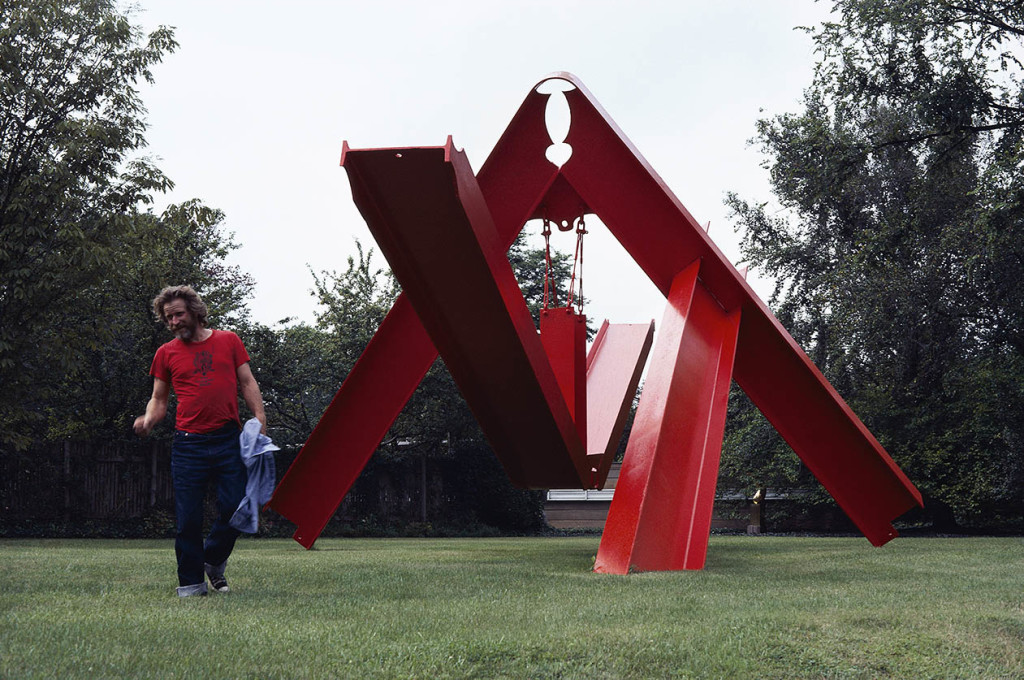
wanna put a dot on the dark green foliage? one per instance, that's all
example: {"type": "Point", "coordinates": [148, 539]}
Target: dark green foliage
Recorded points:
{"type": "Point", "coordinates": [483, 492]}
{"type": "Point", "coordinates": [79, 259]}
{"type": "Point", "coordinates": [299, 370]}
{"type": "Point", "coordinates": [899, 252]}
{"type": "Point", "coordinates": [70, 120]}
{"type": "Point", "coordinates": [105, 388]}
{"type": "Point", "coordinates": [300, 367]}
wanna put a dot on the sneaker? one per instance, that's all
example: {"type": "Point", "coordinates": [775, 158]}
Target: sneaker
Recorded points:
{"type": "Point", "coordinates": [217, 580]}
{"type": "Point", "coordinates": [219, 583]}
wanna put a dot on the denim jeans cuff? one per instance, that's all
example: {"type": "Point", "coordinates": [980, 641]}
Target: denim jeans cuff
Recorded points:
{"type": "Point", "coordinates": [195, 589]}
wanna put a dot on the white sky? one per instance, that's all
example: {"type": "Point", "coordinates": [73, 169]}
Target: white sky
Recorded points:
{"type": "Point", "coordinates": [249, 115]}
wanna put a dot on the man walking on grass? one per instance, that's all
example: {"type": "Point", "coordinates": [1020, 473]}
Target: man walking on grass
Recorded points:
{"type": "Point", "coordinates": [206, 368]}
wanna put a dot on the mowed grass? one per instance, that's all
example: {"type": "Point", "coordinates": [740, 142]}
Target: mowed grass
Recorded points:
{"type": "Point", "coordinates": [764, 607]}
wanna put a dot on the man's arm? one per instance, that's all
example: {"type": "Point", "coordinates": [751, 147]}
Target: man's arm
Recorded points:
{"type": "Point", "coordinates": [156, 409]}
{"type": "Point", "coordinates": [251, 393]}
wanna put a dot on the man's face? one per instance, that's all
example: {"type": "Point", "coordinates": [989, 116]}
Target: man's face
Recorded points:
{"type": "Point", "coordinates": [181, 322]}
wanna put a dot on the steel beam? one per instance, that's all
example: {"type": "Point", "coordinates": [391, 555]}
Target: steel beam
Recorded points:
{"type": "Point", "coordinates": [426, 212]}
{"type": "Point", "coordinates": [514, 181]}
{"type": "Point", "coordinates": [614, 365]}
{"type": "Point", "coordinates": [660, 514]}
{"type": "Point", "coordinates": [355, 422]}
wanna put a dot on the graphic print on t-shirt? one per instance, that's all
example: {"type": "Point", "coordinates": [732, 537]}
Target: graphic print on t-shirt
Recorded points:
{"type": "Point", "coordinates": [203, 364]}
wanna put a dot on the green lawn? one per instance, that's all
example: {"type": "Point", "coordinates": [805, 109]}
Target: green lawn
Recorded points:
{"type": "Point", "coordinates": [764, 607]}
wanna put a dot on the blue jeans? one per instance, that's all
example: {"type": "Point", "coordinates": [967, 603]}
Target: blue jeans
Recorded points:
{"type": "Point", "coordinates": [196, 459]}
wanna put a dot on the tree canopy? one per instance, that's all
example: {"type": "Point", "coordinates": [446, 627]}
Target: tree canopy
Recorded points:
{"type": "Point", "coordinates": [70, 184]}
{"type": "Point", "coordinates": [898, 247]}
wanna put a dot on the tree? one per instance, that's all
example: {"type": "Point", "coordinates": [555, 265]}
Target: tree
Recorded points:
{"type": "Point", "coordinates": [99, 393]}
{"type": "Point", "coordinates": [299, 369]}
{"type": "Point", "coordinates": [899, 248]}
{"type": "Point", "coordinates": [299, 366]}
{"type": "Point", "coordinates": [70, 119]}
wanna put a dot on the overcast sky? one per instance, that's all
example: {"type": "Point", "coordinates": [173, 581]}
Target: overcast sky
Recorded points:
{"type": "Point", "coordinates": [250, 113]}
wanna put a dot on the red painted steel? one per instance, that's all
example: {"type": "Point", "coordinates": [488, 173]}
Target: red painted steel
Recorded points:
{"type": "Point", "coordinates": [607, 176]}
{"type": "Point", "coordinates": [357, 419]}
{"type": "Point", "coordinates": [614, 365]}
{"type": "Point", "coordinates": [660, 234]}
{"type": "Point", "coordinates": [661, 512]}
{"type": "Point", "coordinates": [563, 333]}
{"type": "Point", "coordinates": [355, 422]}
{"type": "Point", "coordinates": [426, 213]}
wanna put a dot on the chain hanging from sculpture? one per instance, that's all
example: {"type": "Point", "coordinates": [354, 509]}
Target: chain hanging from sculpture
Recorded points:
{"type": "Point", "coordinates": [550, 285]}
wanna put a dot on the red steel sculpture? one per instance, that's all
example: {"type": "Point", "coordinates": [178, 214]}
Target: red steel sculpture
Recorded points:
{"type": "Point", "coordinates": [552, 412]}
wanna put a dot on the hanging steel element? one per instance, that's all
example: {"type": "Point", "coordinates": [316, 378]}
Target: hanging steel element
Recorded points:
{"type": "Point", "coordinates": [552, 414]}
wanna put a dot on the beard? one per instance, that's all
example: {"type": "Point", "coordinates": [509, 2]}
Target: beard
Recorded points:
{"type": "Point", "coordinates": [185, 332]}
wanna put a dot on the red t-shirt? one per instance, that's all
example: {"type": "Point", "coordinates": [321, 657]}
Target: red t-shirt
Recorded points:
{"type": "Point", "coordinates": [204, 376]}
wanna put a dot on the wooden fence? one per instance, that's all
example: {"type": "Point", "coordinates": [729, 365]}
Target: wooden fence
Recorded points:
{"type": "Point", "coordinates": [84, 480]}
{"type": "Point", "coordinates": [59, 489]}
{"type": "Point", "coordinates": [77, 488]}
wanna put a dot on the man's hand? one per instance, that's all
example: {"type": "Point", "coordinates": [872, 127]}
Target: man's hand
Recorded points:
{"type": "Point", "coordinates": [141, 428]}
{"type": "Point", "coordinates": [156, 409]}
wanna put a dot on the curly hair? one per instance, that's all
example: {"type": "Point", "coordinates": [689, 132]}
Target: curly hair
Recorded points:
{"type": "Point", "coordinates": [193, 303]}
